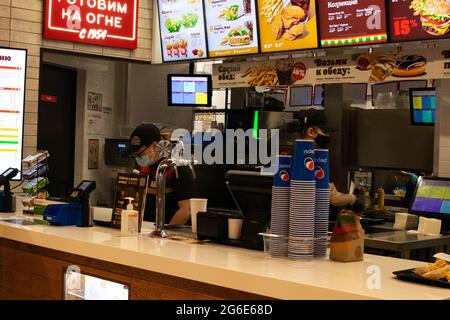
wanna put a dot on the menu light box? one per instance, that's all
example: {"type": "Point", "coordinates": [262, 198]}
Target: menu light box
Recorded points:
{"type": "Point", "coordinates": [13, 64]}
{"type": "Point", "coordinates": [182, 30]}
{"type": "Point", "coordinates": [109, 23]}
{"type": "Point", "coordinates": [352, 23]}
{"type": "Point", "coordinates": [419, 20]}
{"type": "Point", "coordinates": [231, 27]}
{"type": "Point", "coordinates": [287, 25]}
{"type": "Point", "coordinates": [189, 90]}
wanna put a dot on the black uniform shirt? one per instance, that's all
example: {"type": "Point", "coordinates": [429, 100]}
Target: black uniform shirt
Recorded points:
{"type": "Point", "coordinates": [177, 189]}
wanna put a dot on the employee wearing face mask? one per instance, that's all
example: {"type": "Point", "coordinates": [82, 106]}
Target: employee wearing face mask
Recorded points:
{"type": "Point", "coordinates": [144, 142]}
{"type": "Point", "coordinates": [314, 125]}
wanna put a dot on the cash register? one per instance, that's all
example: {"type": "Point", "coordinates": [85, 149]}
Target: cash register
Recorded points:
{"type": "Point", "coordinates": [76, 211]}
{"type": "Point", "coordinates": [7, 199]}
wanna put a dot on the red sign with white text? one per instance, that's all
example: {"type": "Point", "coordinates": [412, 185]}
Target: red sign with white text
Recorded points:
{"type": "Point", "coordinates": [111, 23]}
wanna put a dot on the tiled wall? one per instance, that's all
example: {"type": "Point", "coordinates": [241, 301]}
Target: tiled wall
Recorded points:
{"type": "Point", "coordinates": [442, 131]}
{"type": "Point", "coordinates": [21, 27]}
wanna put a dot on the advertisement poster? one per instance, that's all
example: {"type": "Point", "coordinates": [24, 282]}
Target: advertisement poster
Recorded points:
{"type": "Point", "coordinates": [419, 19]}
{"type": "Point", "coordinates": [95, 101]}
{"type": "Point", "coordinates": [232, 27]}
{"type": "Point", "coordinates": [287, 25]}
{"type": "Point", "coordinates": [12, 92]}
{"type": "Point", "coordinates": [93, 154]}
{"type": "Point", "coordinates": [182, 30]}
{"type": "Point", "coordinates": [347, 23]}
{"type": "Point", "coordinates": [358, 68]}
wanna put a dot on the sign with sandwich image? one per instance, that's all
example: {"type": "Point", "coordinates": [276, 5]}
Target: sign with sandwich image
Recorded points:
{"type": "Point", "coordinates": [232, 27]}
{"type": "Point", "coordinates": [287, 25]}
{"type": "Point", "coordinates": [419, 19]}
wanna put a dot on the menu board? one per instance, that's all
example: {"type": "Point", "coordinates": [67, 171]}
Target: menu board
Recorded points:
{"type": "Point", "coordinates": [12, 99]}
{"type": "Point", "coordinates": [287, 25]}
{"type": "Point", "coordinates": [182, 30]}
{"type": "Point", "coordinates": [232, 27]}
{"type": "Point", "coordinates": [419, 19]}
{"type": "Point", "coordinates": [350, 23]}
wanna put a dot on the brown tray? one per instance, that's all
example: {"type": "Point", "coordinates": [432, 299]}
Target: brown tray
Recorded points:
{"type": "Point", "coordinates": [409, 275]}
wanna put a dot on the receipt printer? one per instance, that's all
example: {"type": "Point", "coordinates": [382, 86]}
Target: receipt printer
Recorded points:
{"type": "Point", "coordinates": [75, 213]}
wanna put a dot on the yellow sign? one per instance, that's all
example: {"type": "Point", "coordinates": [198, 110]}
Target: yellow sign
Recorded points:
{"type": "Point", "coordinates": [287, 27]}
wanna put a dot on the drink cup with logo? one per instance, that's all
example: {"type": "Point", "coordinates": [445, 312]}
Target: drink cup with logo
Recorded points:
{"type": "Point", "coordinates": [322, 168]}
{"type": "Point", "coordinates": [303, 161]}
{"type": "Point", "coordinates": [283, 176]}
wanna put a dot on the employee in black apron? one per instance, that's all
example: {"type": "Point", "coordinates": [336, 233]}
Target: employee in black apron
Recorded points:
{"type": "Point", "coordinates": [179, 183]}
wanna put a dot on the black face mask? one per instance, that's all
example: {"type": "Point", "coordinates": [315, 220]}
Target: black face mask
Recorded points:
{"type": "Point", "coordinates": [322, 141]}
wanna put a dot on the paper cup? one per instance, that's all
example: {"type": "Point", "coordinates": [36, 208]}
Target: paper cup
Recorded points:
{"type": "Point", "coordinates": [197, 205]}
{"type": "Point", "coordinates": [234, 228]}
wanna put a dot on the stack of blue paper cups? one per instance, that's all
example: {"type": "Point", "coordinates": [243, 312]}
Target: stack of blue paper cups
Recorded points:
{"type": "Point", "coordinates": [321, 217]}
{"type": "Point", "coordinates": [302, 202]}
{"type": "Point", "coordinates": [280, 207]}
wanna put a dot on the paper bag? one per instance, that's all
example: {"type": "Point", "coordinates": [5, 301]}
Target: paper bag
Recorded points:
{"type": "Point", "coordinates": [347, 240]}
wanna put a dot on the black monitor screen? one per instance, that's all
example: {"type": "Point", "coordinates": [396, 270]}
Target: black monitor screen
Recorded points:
{"type": "Point", "coordinates": [318, 95]}
{"type": "Point", "coordinates": [301, 96]}
{"type": "Point", "coordinates": [423, 106]}
{"type": "Point", "coordinates": [432, 196]}
{"type": "Point", "coordinates": [359, 92]}
{"type": "Point", "coordinates": [189, 90]}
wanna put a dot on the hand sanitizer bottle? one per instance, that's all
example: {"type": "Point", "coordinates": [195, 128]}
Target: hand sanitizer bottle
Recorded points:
{"type": "Point", "coordinates": [129, 220]}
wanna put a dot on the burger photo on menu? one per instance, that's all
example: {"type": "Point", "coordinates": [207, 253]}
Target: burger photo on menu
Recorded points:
{"type": "Point", "coordinates": [231, 27]}
{"type": "Point", "coordinates": [434, 15]}
{"type": "Point", "coordinates": [287, 25]}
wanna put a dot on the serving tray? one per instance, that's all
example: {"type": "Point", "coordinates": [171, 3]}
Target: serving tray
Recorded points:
{"type": "Point", "coordinates": [409, 275]}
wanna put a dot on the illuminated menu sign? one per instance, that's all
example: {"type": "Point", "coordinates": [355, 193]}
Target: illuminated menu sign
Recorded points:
{"type": "Point", "coordinates": [111, 23]}
{"type": "Point", "coordinates": [12, 98]}
{"type": "Point", "coordinates": [232, 27]}
{"type": "Point", "coordinates": [353, 22]}
{"type": "Point", "coordinates": [287, 25]}
{"type": "Point", "coordinates": [182, 28]}
{"type": "Point", "coordinates": [419, 19]}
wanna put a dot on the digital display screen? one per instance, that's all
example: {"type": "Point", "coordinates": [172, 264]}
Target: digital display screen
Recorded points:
{"type": "Point", "coordinates": [359, 92]}
{"type": "Point", "coordinates": [182, 29]}
{"type": "Point", "coordinates": [432, 196]}
{"type": "Point", "coordinates": [301, 96]}
{"type": "Point", "coordinates": [352, 23]}
{"type": "Point", "coordinates": [318, 92]}
{"type": "Point", "coordinates": [287, 25]}
{"type": "Point", "coordinates": [232, 27]}
{"type": "Point", "coordinates": [419, 19]}
{"type": "Point", "coordinates": [189, 91]}
{"type": "Point", "coordinates": [85, 185]}
{"type": "Point", "coordinates": [12, 100]}
{"type": "Point", "coordinates": [423, 106]}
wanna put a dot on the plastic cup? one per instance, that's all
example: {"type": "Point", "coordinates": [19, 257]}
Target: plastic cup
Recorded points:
{"type": "Point", "coordinates": [197, 205]}
{"type": "Point", "coordinates": [234, 228]}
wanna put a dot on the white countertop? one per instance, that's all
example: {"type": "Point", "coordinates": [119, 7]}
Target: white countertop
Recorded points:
{"type": "Point", "coordinates": [235, 268]}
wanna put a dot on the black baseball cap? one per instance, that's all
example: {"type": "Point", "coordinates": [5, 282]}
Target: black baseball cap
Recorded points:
{"type": "Point", "coordinates": [315, 118]}
{"type": "Point", "coordinates": [141, 138]}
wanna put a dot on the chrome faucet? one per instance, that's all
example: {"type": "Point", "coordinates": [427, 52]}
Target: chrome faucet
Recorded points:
{"type": "Point", "coordinates": [174, 161]}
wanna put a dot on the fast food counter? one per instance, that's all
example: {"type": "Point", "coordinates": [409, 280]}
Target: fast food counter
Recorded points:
{"type": "Point", "coordinates": [33, 259]}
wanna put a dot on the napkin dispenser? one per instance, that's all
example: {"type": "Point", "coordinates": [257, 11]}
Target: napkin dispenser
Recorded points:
{"type": "Point", "coordinates": [212, 226]}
